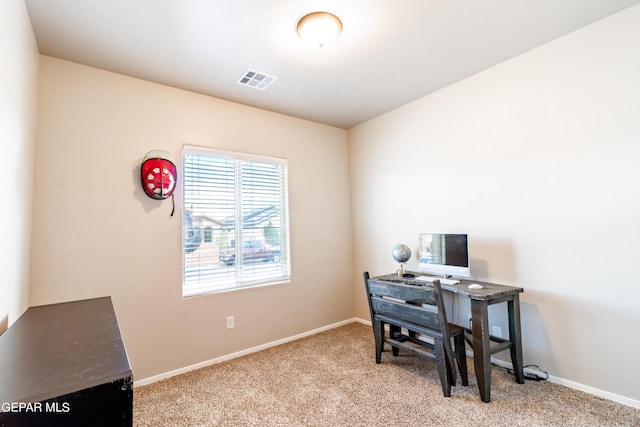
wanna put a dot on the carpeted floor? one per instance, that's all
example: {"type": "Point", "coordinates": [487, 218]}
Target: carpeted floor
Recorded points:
{"type": "Point", "coordinates": [331, 379]}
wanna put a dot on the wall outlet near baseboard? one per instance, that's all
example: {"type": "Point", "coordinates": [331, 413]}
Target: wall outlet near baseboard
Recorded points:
{"type": "Point", "coordinates": [231, 322]}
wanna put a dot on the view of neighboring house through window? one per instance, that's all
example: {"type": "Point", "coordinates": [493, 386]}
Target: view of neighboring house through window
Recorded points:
{"type": "Point", "coordinates": [235, 221]}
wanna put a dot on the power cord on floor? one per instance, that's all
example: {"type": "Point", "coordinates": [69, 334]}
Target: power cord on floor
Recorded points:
{"type": "Point", "coordinates": [532, 376]}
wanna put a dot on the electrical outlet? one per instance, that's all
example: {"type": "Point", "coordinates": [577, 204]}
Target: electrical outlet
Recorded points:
{"type": "Point", "coordinates": [231, 322]}
{"type": "Point", "coordinates": [496, 331]}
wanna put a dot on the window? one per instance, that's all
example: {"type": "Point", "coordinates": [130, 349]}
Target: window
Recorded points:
{"type": "Point", "coordinates": [208, 233]}
{"type": "Point", "coordinates": [240, 201]}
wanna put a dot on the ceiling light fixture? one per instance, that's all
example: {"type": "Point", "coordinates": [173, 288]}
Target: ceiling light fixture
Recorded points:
{"type": "Point", "coordinates": [319, 29]}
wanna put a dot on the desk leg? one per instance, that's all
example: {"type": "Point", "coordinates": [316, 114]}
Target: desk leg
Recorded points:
{"type": "Point", "coordinates": [481, 350]}
{"type": "Point", "coordinates": [515, 335]}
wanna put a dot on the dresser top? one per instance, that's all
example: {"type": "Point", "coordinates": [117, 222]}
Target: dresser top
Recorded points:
{"type": "Point", "coordinates": [56, 349]}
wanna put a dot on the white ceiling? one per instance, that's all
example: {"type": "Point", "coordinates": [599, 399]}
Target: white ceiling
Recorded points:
{"type": "Point", "coordinates": [389, 53]}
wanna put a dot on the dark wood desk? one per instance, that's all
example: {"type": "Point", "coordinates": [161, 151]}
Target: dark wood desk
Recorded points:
{"type": "Point", "coordinates": [482, 343]}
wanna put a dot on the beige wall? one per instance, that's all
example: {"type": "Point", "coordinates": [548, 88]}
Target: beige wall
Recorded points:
{"type": "Point", "coordinates": [537, 160]}
{"type": "Point", "coordinates": [18, 99]}
{"type": "Point", "coordinates": [96, 233]}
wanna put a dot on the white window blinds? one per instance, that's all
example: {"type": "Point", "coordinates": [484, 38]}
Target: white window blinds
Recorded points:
{"type": "Point", "coordinates": [241, 202]}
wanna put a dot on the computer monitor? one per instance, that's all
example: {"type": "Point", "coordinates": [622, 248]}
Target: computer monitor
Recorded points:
{"type": "Point", "coordinates": [444, 254]}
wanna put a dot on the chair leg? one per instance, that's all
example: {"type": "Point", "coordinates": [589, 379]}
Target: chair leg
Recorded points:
{"type": "Point", "coordinates": [451, 368]}
{"type": "Point", "coordinates": [393, 330]}
{"type": "Point", "coordinates": [461, 358]}
{"type": "Point", "coordinates": [443, 369]}
{"type": "Point", "coordinates": [378, 335]}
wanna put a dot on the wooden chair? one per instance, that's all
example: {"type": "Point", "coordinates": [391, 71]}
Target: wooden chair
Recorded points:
{"type": "Point", "coordinates": [418, 309]}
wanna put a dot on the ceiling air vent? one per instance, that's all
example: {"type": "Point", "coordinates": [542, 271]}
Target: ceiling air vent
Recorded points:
{"type": "Point", "coordinates": [256, 79]}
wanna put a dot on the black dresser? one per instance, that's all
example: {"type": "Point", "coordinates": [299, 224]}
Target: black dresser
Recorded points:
{"type": "Point", "coordinates": [65, 365]}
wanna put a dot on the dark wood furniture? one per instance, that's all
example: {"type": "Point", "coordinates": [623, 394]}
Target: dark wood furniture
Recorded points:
{"type": "Point", "coordinates": [65, 365]}
{"type": "Point", "coordinates": [482, 343]}
{"type": "Point", "coordinates": [420, 310]}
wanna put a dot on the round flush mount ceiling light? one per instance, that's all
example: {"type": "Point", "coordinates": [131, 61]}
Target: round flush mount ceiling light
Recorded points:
{"type": "Point", "coordinates": [319, 29]}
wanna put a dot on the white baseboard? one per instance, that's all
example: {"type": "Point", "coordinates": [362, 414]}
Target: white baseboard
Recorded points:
{"type": "Point", "coordinates": [556, 380]}
{"type": "Point", "coordinates": [155, 378]}
{"type": "Point", "coordinates": [596, 392]}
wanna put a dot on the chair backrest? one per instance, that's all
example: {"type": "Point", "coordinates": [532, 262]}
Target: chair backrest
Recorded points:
{"type": "Point", "coordinates": [404, 302]}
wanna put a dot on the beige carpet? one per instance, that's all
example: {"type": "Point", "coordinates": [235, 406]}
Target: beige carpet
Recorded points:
{"type": "Point", "coordinates": [331, 379]}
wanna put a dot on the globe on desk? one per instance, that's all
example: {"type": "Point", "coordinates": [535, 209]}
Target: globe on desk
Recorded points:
{"type": "Point", "coordinates": [401, 253]}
